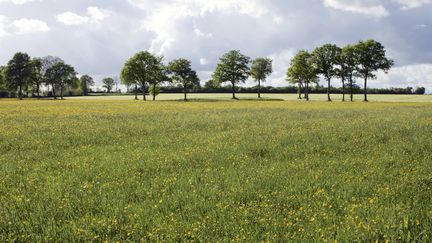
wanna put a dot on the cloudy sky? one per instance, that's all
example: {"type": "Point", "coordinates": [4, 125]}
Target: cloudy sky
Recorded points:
{"type": "Point", "coordinates": [97, 36]}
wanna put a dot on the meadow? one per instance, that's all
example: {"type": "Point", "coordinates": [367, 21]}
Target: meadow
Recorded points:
{"type": "Point", "coordinates": [124, 170]}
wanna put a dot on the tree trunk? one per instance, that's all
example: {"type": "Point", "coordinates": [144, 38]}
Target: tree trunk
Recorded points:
{"type": "Point", "coordinates": [299, 91]}
{"type": "Point", "coordinates": [365, 90]}
{"type": "Point", "coordinates": [259, 89]}
{"type": "Point", "coordinates": [328, 90]}
{"type": "Point", "coordinates": [185, 94]}
{"type": "Point", "coordinates": [233, 91]}
{"type": "Point", "coordinates": [61, 91]}
{"type": "Point", "coordinates": [38, 91]}
{"type": "Point", "coordinates": [351, 90]}
{"type": "Point", "coordinates": [144, 93]}
{"type": "Point", "coordinates": [343, 89]}
{"type": "Point", "coordinates": [136, 91]}
{"type": "Point", "coordinates": [53, 91]}
{"type": "Point", "coordinates": [307, 91]}
{"type": "Point", "coordinates": [20, 92]}
{"type": "Point", "coordinates": [154, 92]}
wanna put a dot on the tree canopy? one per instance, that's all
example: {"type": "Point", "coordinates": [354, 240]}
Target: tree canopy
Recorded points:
{"type": "Point", "coordinates": [18, 72]}
{"type": "Point", "coordinates": [260, 70]}
{"type": "Point", "coordinates": [371, 57]}
{"type": "Point", "coordinates": [325, 59]}
{"type": "Point", "coordinates": [61, 75]}
{"type": "Point", "coordinates": [302, 71]}
{"type": "Point", "coordinates": [86, 82]}
{"type": "Point", "coordinates": [233, 67]}
{"type": "Point", "coordinates": [108, 84]}
{"type": "Point", "coordinates": [182, 73]}
{"type": "Point", "coordinates": [142, 69]}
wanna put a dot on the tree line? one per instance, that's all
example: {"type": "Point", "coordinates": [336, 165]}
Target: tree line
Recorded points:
{"type": "Point", "coordinates": [145, 71]}
{"type": "Point", "coordinates": [25, 76]}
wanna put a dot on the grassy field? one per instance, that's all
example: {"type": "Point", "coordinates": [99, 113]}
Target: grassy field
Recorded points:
{"type": "Point", "coordinates": [287, 97]}
{"type": "Point", "coordinates": [95, 170]}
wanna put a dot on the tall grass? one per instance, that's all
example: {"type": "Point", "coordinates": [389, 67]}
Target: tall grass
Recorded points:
{"type": "Point", "coordinates": [241, 171]}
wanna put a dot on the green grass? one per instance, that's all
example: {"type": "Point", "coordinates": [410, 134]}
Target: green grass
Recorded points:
{"type": "Point", "coordinates": [287, 97]}
{"type": "Point", "coordinates": [95, 170]}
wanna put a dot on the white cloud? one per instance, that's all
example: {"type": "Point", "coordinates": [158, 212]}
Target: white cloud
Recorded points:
{"type": "Point", "coordinates": [369, 8]}
{"type": "Point", "coordinates": [3, 21]}
{"type": "Point", "coordinates": [29, 26]}
{"type": "Point", "coordinates": [199, 33]}
{"type": "Point", "coordinates": [204, 61]}
{"type": "Point", "coordinates": [281, 62]}
{"type": "Point", "coordinates": [411, 75]}
{"type": "Point", "coordinates": [162, 17]}
{"type": "Point", "coordinates": [410, 4]}
{"type": "Point", "coordinates": [94, 14]}
{"type": "Point", "coordinates": [69, 18]}
{"type": "Point", "coordinates": [17, 2]}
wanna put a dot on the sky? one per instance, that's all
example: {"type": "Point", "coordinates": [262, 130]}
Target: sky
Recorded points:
{"type": "Point", "coordinates": [98, 36]}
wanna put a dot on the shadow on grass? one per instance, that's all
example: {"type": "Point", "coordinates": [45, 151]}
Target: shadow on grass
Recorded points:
{"type": "Point", "coordinates": [224, 100]}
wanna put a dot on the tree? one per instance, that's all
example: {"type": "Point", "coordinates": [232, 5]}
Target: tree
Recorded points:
{"type": "Point", "coordinates": [86, 82]}
{"type": "Point", "coordinates": [302, 71]}
{"type": "Point", "coordinates": [18, 72]}
{"type": "Point", "coordinates": [183, 74]}
{"type": "Point", "coordinates": [233, 67]}
{"type": "Point", "coordinates": [36, 77]}
{"type": "Point", "coordinates": [159, 75]}
{"type": "Point", "coordinates": [141, 69]}
{"type": "Point", "coordinates": [47, 63]}
{"type": "Point", "coordinates": [371, 56]}
{"type": "Point", "coordinates": [2, 79]}
{"type": "Point", "coordinates": [325, 59]}
{"type": "Point", "coordinates": [260, 70]}
{"type": "Point", "coordinates": [108, 84]}
{"type": "Point", "coordinates": [347, 69]}
{"type": "Point", "coordinates": [61, 75]}
{"type": "Point", "coordinates": [212, 85]}
{"type": "Point", "coordinates": [420, 90]}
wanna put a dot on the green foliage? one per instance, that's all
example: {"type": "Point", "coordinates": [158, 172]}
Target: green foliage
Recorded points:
{"type": "Point", "coordinates": [143, 69]}
{"type": "Point", "coordinates": [325, 59]}
{"type": "Point", "coordinates": [302, 71]}
{"type": "Point", "coordinates": [420, 90]}
{"type": "Point", "coordinates": [86, 82]}
{"type": "Point", "coordinates": [233, 67]}
{"type": "Point", "coordinates": [18, 72]}
{"type": "Point", "coordinates": [261, 68]}
{"type": "Point", "coordinates": [154, 90]}
{"type": "Point", "coordinates": [212, 84]}
{"type": "Point", "coordinates": [2, 79]}
{"type": "Point", "coordinates": [61, 75]}
{"type": "Point", "coordinates": [215, 171]}
{"type": "Point", "coordinates": [347, 67]}
{"type": "Point", "coordinates": [182, 73]}
{"type": "Point", "coordinates": [108, 84]}
{"type": "Point", "coordinates": [371, 57]}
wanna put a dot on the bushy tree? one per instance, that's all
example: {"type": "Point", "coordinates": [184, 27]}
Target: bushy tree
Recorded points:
{"type": "Point", "coordinates": [420, 90]}
{"type": "Point", "coordinates": [325, 59]}
{"type": "Point", "coordinates": [61, 75]}
{"type": "Point", "coordinates": [234, 68]}
{"type": "Point", "coordinates": [182, 73]}
{"type": "Point", "coordinates": [18, 72]}
{"type": "Point", "coordinates": [260, 70]}
{"type": "Point", "coordinates": [302, 72]}
{"type": "Point", "coordinates": [86, 82]}
{"type": "Point", "coordinates": [347, 69]}
{"type": "Point", "coordinates": [371, 57]}
{"type": "Point", "coordinates": [142, 69]}
{"type": "Point", "coordinates": [108, 84]}
{"type": "Point", "coordinates": [36, 77]}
